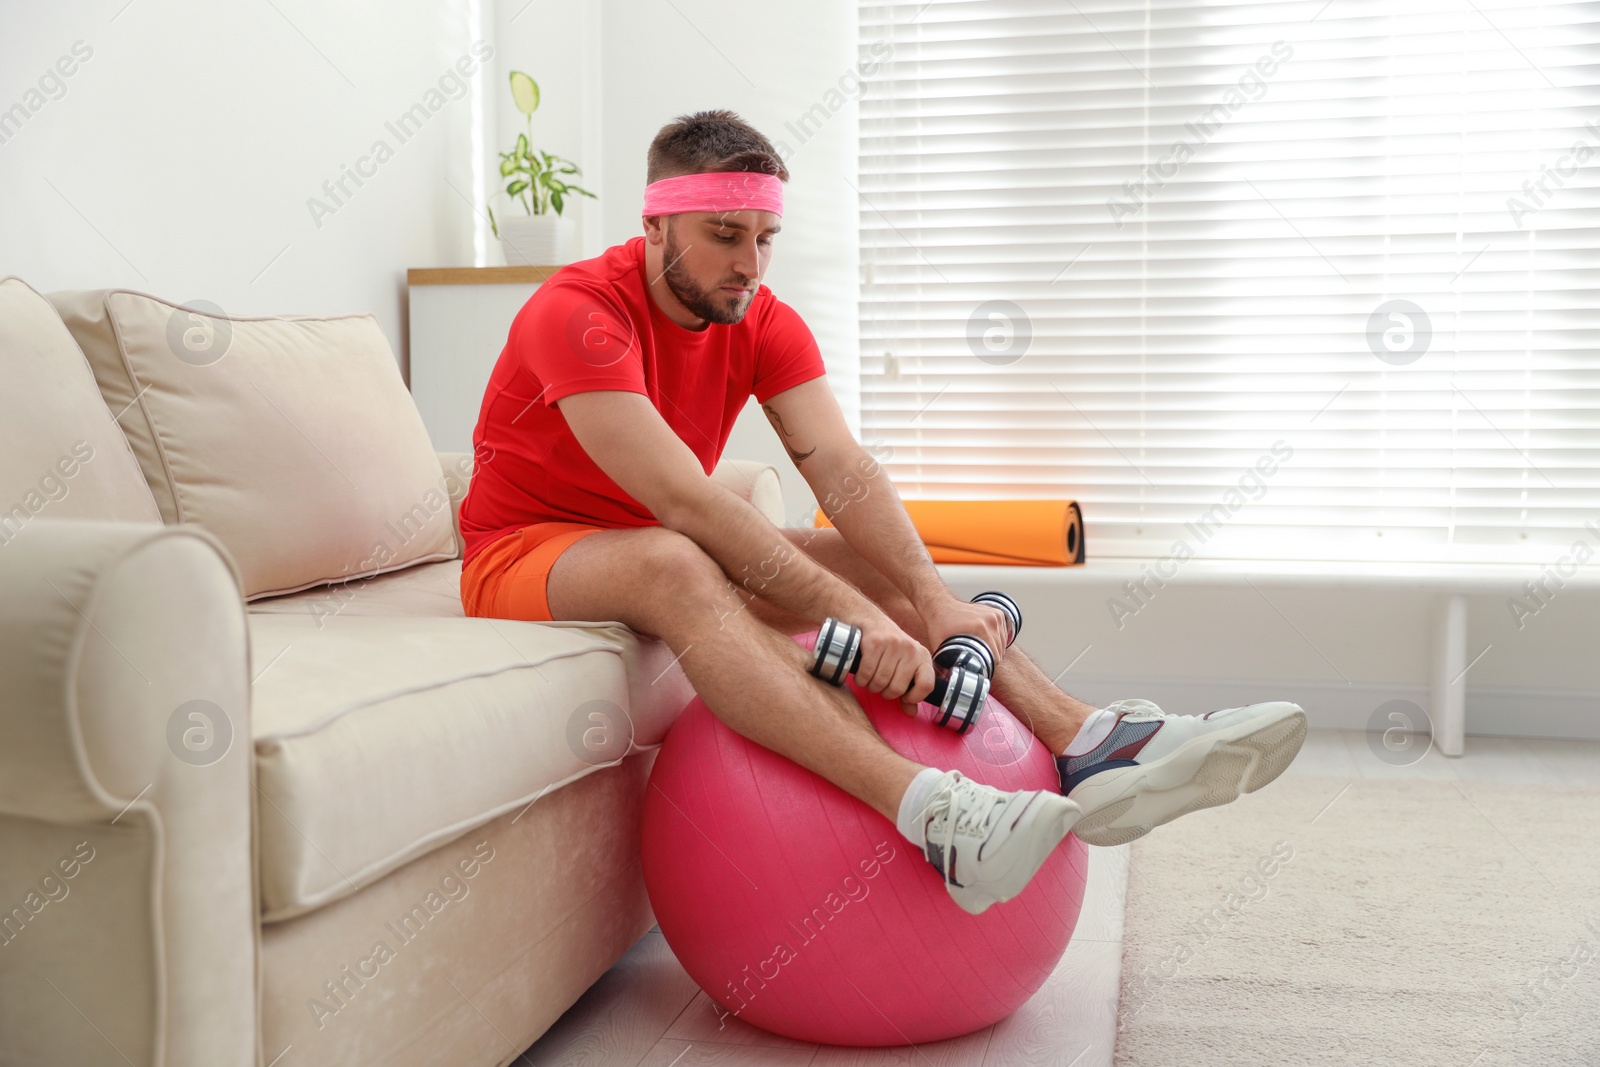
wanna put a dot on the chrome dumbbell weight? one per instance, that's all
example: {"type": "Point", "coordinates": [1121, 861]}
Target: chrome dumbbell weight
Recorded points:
{"type": "Point", "coordinates": [958, 695]}
{"type": "Point", "coordinates": [965, 650]}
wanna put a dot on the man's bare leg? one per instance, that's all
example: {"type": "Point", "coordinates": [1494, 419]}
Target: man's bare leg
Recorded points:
{"type": "Point", "coordinates": [754, 679]}
{"type": "Point", "coordinates": [1019, 683]}
{"type": "Point", "coordinates": [1213, 773]}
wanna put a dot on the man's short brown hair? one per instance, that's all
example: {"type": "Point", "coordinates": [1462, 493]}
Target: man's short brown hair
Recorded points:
{"type": "Point", "coordinates": [711, 141]}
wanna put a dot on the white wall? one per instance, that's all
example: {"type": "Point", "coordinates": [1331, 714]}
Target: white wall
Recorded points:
{"type": "Point", "coordinates": [560, 48]}
{"type": "Point", "coordinates": [180, 157]}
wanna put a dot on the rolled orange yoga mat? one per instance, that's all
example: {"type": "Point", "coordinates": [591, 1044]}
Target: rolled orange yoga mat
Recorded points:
{"type": "Point", "coordinates": [1026, 533]}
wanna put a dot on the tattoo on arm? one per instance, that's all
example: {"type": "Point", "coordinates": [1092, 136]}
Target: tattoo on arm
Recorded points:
{"type": "Point", "coordinates": [777, 424]}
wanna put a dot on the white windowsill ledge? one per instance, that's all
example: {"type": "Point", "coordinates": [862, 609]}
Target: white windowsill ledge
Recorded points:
{"type": "Point", "coordinates": [1450, 578]}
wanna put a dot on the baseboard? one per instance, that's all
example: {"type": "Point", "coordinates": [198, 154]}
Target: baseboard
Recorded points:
{"type": "Point", "coordinates": [1522, 712]}
{"type": "Point", "coordinates": [1566, 714]}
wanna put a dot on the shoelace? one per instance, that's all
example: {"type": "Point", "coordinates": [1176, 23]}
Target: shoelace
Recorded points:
{"type": "Point", "coordinates": [1137, 708]}
{"type": "Point", "coordinates": [984, 807]}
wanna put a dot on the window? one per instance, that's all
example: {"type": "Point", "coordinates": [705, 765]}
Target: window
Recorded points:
{"type": "Point", "coordinates": [1282, 280]}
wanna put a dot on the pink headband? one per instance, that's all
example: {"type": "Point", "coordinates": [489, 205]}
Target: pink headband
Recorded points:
{"type": "Point", "coordinates": [739, 190]}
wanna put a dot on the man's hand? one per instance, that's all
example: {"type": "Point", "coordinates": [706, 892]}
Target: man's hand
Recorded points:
{"type": "Point", "coordinates": [948, 616]}
{"type": "Point", "coordinates": [893, 663]}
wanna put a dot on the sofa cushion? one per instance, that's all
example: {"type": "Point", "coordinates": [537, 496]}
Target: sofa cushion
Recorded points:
{"type": "Point", "coordinates": [292, 439]}
{"type": "Point", "coordinates": [428, 591]}
{"type": "Point", "coordinates": [378, 739]}
{"type": "Point", "coordinates": [61, 453]}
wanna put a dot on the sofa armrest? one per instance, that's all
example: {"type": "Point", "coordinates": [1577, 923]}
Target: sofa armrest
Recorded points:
{"type": "Point", "coordinates": [126, 791]}
{"type": "Point", "coordinates": [457, 471]}
{"type": "Point", "coordinates": [755, 482]}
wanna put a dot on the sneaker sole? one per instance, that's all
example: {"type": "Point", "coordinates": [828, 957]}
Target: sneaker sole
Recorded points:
{"type": "Point", "coordinates": [974, 900]}
{"type": "Point", "coordinates": [1205, 773]}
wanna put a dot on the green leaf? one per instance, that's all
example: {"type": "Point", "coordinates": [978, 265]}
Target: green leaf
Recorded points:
{"type": "Point", "coordinates": [555, 200]}
{"type": "Point", "coordinates": [522, 145]}
{"type": "Point", "coordinates": [516, 187]}
{"type": "Point", "coordinates": [508, 166]}
{"type": "Point", "coordinates": [525, 91]}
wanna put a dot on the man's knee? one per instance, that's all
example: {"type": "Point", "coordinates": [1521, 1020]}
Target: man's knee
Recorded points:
{"type": "Point", "coordinates": [691, 590]}
{"type": "Point", "coordinates": [675, 561]}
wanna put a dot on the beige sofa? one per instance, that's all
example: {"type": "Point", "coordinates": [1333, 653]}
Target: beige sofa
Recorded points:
{"type": "Point", "coordinates": [266, 795]}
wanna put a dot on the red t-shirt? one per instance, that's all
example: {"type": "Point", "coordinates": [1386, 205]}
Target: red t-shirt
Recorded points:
{"type": "Point", "coordinates": [594, 325]}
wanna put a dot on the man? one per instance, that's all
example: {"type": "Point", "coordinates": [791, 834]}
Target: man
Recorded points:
{"type": "Point", "coordinates": [609, 407]}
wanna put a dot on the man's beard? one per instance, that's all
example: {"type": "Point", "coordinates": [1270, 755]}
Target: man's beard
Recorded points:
{"type": "Point", "coordinates": [711, 305]}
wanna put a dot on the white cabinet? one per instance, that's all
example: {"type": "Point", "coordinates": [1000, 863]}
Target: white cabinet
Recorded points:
{"type": "Point", "coordinates": [459, 318]}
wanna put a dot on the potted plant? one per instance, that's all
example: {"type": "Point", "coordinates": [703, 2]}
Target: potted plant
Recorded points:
{"type": "Point", "coordinates": [533, 180]}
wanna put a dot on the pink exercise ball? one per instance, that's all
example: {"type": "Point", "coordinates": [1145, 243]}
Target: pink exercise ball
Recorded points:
{"type": "Point", "coordinates": [801, 910]}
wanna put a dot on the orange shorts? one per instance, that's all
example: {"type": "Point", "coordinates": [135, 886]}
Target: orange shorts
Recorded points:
{"type": "Point", "coordinates": [507, 579]}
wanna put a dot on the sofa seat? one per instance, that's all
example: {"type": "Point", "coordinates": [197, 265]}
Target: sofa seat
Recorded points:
{"type": "Point", "coordinates": [380, 738]}
{"type": "Point", "coordinates": [429, 590]}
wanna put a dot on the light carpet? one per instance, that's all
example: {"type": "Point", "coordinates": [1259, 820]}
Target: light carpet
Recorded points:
{"type": "Point", "coordinates": [1394, 922]}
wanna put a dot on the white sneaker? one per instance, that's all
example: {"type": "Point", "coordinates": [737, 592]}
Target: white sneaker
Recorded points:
{"type": "Point", "coordinates": [1154, 767]}
{"type": "Point", "coordinates": [988, 843]}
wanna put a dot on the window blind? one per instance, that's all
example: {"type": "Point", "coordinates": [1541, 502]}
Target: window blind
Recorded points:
{"type": "Point", "coordinates": [1267, 280]}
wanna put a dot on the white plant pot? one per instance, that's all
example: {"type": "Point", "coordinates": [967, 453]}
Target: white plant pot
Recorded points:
{"type": "Point", "coordinates": [535, 240]}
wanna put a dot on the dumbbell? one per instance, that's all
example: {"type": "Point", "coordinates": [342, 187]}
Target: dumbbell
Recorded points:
{"type": "Point", "coordinates": [959, 695]}
{"type": "Point", "coordinates": [965, 650]}
{"type": "Point", "coordinates": [959, 650]}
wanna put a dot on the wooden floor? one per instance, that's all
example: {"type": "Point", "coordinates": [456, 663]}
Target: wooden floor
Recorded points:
{"type": "Point", "coordinates": [647, 1012]}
